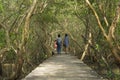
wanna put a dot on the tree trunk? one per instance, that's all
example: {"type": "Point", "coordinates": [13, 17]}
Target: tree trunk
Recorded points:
{"type": "Point", "coordinates": [18, 66]}
{"type": "Point", "coordinates": [0, 69]}
{"type": "Point", "coordinates": [21, 50]}
{"type": "Point", "coordinates": [87, 46]}
{"type": "Point", "coordinates": [110, 38]}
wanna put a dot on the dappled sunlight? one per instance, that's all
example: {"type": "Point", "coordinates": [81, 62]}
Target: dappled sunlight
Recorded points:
{"type": "Point", "coordinates": [63, 67]}
{"type": "Point", "coordinates": [48, 69]}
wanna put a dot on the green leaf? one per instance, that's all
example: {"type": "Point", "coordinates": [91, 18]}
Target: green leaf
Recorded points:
{"type": "Point", "coordinates": [30, 1]}
{"type": "Point", "coordinates": [1, 6]}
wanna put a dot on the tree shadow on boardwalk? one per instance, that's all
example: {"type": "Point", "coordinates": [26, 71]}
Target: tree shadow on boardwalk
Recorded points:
{"type": "Point", "coordinates": [63, 67]}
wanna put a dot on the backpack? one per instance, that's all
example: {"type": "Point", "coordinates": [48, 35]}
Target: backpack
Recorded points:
{"type": "Point", "coordinates": [58, 42]}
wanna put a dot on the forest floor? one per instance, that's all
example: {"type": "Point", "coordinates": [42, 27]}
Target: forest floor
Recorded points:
{"type": "Point", "coordinates": [111, 73]}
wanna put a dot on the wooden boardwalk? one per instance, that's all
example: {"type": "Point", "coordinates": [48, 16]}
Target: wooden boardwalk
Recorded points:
{"type": "Point", "coordinates": [63, 67]}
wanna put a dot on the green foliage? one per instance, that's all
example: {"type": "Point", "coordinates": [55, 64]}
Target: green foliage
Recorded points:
{"type": "Point", "coordinates": [11, 56]}
{"type": "Point", "coordinates": [2, 39]}
{"type": "Point", "coordinates": [110, 74]}
{"type": "Point", "coordinates": [117, 77]}
{"type": "Point", "coordinates": [46, 17]}
{"type": "Point", "coordinates": [97, 47]}
{"type": "Point", "coordinates": [31, 1]}
{"type": "Point", "coordinates": [72, 16]}
{"type": "Point", "coordinates": [1, 6]}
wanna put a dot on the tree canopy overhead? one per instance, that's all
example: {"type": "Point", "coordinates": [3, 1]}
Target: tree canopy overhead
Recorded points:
{"type": "Point", "coordinates": [29, 27]}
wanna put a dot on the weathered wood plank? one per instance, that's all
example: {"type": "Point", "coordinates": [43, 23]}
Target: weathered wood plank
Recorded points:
{"type": "Point", "coordinates": [63, 67]}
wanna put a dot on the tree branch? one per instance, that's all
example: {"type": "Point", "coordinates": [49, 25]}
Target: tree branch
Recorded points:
{"type": "Point", "coordinates": [98, 20]}
{"type": "Point", "coordinates": [25, 33]}
{"type": "Point", "coordinates": [114, 22]}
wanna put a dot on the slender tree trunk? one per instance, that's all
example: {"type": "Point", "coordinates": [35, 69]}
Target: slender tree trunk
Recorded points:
{"type": "Point", "coordinates": [88, 37]}
{"type": "Point", "coordinates": [87, 46]}
{"type": "Point", "coordinates": [0, 69]}
{"type": "Point", "coordinates": [110, 38]}
{"type": "Point", "coordinates": [21, 49]}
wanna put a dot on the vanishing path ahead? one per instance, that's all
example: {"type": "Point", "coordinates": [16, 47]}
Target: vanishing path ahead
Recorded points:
{"type": "Point", "coordinates": [63, 67]}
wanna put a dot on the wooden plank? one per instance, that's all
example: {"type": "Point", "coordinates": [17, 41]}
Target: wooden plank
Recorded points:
{"type": "Point", "coordinates": [63, 67]}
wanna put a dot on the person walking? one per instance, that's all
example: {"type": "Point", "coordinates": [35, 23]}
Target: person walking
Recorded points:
{"type": "Point", "coordinates": [59, 44]}
{"type": "Point", "coordinates": [55, 45]}
{"type": "Point", "coordinates": [66, 43]}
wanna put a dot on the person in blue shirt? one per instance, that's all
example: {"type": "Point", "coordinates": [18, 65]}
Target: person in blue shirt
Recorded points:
{"type": "Point", "coordinates": [59, 44]}
{"type": "Point", "coordinates": [66, 43]}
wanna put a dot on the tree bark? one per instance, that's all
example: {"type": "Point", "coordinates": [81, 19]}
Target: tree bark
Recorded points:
{"type": "Point", "coordinates": [87, 46]}
{"type": "Point", "coordinates": [0, 69]}
{"type": "Point", "coordinates": [25, 36]}
{"type": "Point", "coordinates": [97, 18]}
{"type": "Point", "coordinates": [110, 38]}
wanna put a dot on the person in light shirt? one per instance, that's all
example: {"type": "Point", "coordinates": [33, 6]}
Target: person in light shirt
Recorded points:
{"type": "Point", "coordinates": [66, 43]}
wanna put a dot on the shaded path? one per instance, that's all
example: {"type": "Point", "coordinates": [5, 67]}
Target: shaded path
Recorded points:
{"type": "Point", "coordinates": [63, 67]}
